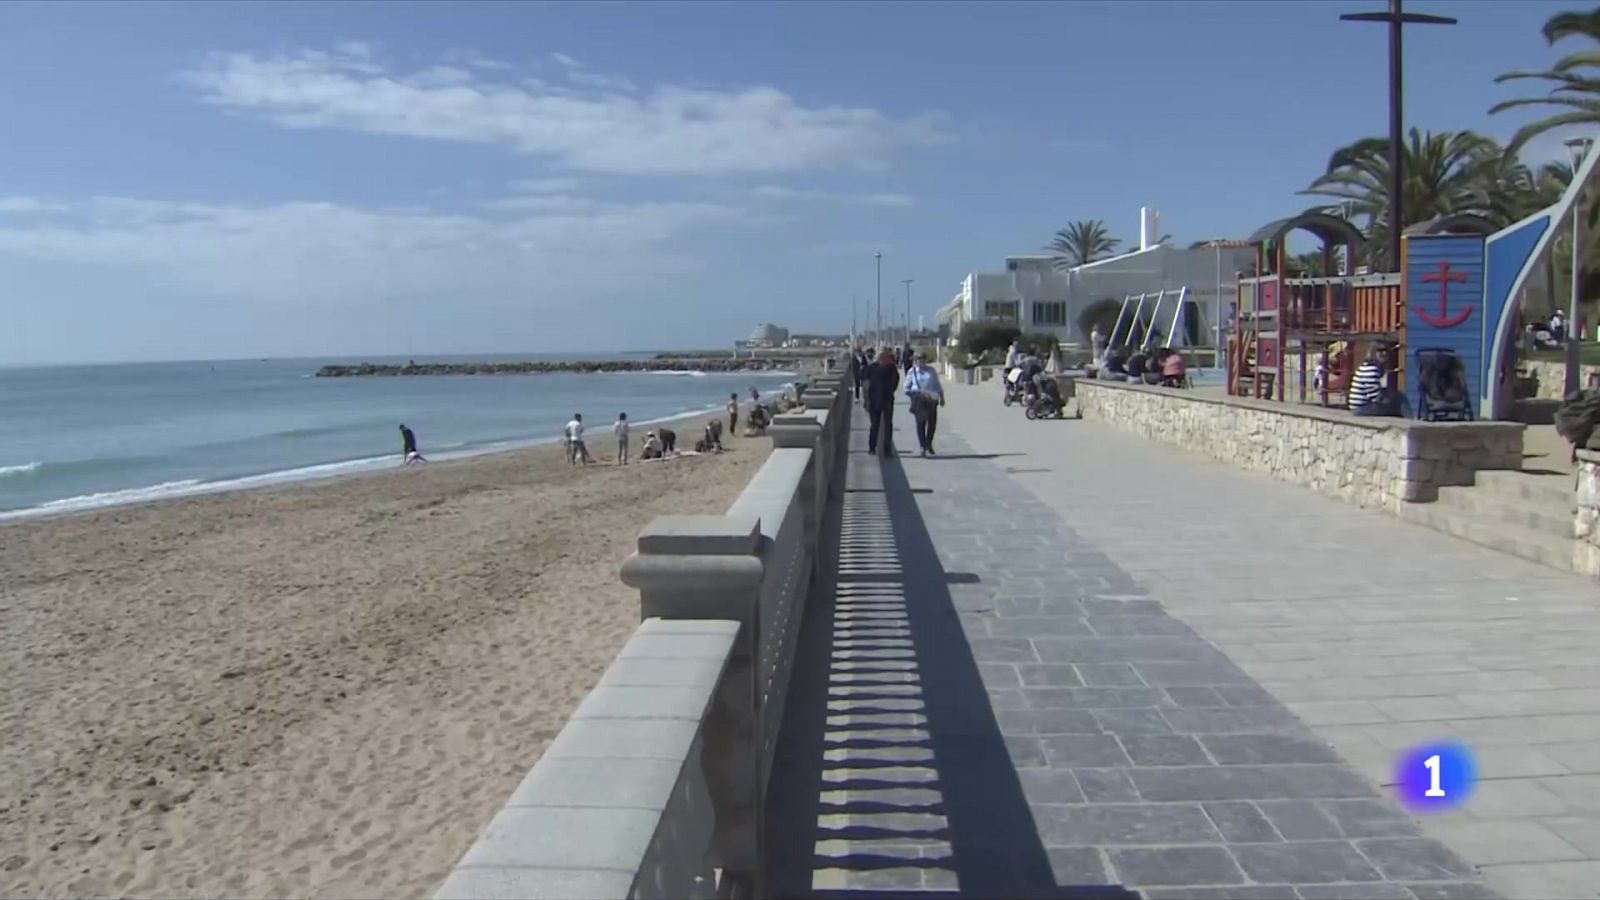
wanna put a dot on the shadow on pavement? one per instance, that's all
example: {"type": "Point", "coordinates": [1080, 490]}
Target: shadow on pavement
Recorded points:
{"type": "Point", "coordinates": [893, 778]}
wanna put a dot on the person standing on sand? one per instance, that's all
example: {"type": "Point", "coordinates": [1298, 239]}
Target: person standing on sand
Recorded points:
{"type": "Point", "coordinates": [755, 395]}
{"type": "Point", "coordinates": [575, 448]}
{"type": "Point", "coordinates": [408, 447]}
{"type": "Point", "coordinates": [669, 441]}
{"type": "Point", "coordinates": [733, 413]}
{"type": "Point", "coordinates": [620, 429]}
{"type": "Point", "coordinates": [883, 378]}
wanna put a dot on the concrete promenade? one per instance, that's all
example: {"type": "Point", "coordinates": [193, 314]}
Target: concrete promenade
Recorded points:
{"type": "Point", "coordinates": [1060, 656]}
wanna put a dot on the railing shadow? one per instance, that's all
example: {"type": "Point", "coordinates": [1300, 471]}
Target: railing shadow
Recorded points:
{"type": "Point", "coordinates": [894, 778]}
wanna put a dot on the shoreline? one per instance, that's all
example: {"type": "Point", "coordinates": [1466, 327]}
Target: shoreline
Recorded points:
{"type": "Point", "coordinates": [325, 689]}
{"type": "Point", "coordinates": [299, 475]}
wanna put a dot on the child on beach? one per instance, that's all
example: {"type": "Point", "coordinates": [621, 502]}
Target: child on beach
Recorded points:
{"type": "Point", "coordinates": [621, 431]}
{"type": "Point", "coordinates": [408, 447]}
{"type": "Point", "coordinates": [575, 448]}
{"type": "Point", "coordinates": [733, 413]}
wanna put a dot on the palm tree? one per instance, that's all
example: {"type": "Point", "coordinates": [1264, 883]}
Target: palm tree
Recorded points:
{"type": "Point", "coordinates": [1445, 173]}
{"type": "Point", "coordinates": [1574, 89]}
{"type": "Point", "coordinates": [1081, 243]}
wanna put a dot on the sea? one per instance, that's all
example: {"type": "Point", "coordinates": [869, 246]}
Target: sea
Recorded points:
{"type": "Point", "coordinates": [82, 437]}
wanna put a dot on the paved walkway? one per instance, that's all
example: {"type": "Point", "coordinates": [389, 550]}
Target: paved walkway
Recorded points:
{"type": "Point", "coordinates": [1378, 634]}
{"type": "Point", "coordinates": [1000, 702]}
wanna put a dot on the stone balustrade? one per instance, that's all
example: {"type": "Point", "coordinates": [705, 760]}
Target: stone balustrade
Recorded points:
{"type": "Point", "coordinates": [654, 788]}
{"type": "Point", "coordinates": [1370, 461]}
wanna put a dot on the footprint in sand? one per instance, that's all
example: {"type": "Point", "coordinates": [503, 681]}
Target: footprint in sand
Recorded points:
{"type": "Point", "coordinates": [361, 827]}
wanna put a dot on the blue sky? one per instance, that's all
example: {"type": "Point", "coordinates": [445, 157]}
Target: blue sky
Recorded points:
{"type": "Point", "coordinates": [299, 179]}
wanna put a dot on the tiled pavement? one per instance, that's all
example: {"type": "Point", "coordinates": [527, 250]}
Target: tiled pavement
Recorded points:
{"type": "Point", "coordinates": [995, 707]}
{"type": "Point", "coordinates": [1378, 634]}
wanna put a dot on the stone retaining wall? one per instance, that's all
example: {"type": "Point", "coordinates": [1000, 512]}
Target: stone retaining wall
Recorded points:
{"type": "Point", "coordinates": [1586, 549]}
{"type": "Point", "coordinates": [1374, 462]}
{"type": "Point", "coordinates": [1550, 377]}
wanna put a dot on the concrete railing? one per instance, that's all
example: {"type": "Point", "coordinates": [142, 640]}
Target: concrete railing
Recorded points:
{"type": "Point", "coordinates": [655, 787]}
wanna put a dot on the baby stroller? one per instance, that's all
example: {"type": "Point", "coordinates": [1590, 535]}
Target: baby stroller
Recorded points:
{"type": "Point", "coordinates": [1015, 389]}
{"type": "Point", "coordinates": [1045, 402]}
{"type": "Point", "coordinates": [1443, 380]}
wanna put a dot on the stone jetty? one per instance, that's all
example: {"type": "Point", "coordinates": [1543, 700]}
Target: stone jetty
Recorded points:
{"type": "Point", "coordinates": [722, 364]}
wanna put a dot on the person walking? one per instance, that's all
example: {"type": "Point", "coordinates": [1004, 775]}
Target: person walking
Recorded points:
{"type": "Point", "coordinates": [576, 451]}
{"type": "Point", "coordinates": [620, 430]}
{"type": "Point", "coordinates": [733, 413]}
{"type": "Point", "coordinates": [408, 447]}
{"type": "Point", "coordinates": [926, 395]}
{"type": "Point", "coordinates": [858, 370]}
{"type": "Point", "coordinates": [883, 379]}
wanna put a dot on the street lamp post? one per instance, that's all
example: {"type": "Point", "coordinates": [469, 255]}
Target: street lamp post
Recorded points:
{"type": "Point", "coordinates": [877, 338]}
{"type": "Point", "coordinates": [1579, 148]}
{"type": "Point", "coordinates": [1396, 19]}
{"type": "Point", "coordinates": [907, 283]}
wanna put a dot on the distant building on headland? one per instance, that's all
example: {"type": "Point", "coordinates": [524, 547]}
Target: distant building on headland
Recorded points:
{"type": "Point", "coordinates": [767, 336]}
{"type": "Point", "coordinates": [1035, 296]}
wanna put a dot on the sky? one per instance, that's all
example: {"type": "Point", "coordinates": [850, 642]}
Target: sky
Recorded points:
{"type": "Point", "coordinates": [209, 181]}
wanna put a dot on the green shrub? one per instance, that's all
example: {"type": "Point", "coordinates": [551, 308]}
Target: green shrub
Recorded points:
{"type": "Point", "coordinates": [978, 338]}
{"type": "Point", "coordinates": [959, 357]}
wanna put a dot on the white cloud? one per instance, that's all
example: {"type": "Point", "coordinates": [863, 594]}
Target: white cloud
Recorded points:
{"type": "Point", "coordinates": [861, 249]}
{"type": "Point", "coordinates": [545, 185]}
{"type": "Point", "coordinates": [332, 254]}
{"type": "Point", "coordinates": [565, 60]}
{"type": "Point", "coordinates": [669, 130]}
{"type": "Point", "coordinates": [779, 192]}
{"type": "Point", "coordinates": [603, 82]}
{"type": "Point", "coordinates": [26, 205]}
{"type": "Point", "coordinates": [543, 203]}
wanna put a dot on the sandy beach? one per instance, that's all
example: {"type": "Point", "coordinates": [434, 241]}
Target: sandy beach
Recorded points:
{"type": "Point", "coordinates": [317, 690]}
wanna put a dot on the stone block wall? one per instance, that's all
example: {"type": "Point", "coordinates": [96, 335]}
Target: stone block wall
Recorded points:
{"type": "Point", "coordinates": [1373, 462]}
{"type": "Point", "coordinates": [1551, 377]}
{"type": "Point", "coordinates": [1586, 549]}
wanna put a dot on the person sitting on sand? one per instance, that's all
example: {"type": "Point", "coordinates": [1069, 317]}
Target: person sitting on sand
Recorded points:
{"type": "Point", "coordinates": [758, 420]}
{"type": "Point", "coordinates": [652, 446]}
{"type": "Point", "coordinates": [408, 447]}
{"type": "Point", "coordinates": [620, 429]}
{"type": "Point", "coordinates": [575, 449]}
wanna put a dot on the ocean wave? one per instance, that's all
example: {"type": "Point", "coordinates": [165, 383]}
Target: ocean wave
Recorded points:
{"type": "Point", "coordinates": [24, 469]}
{"type": "Point", "coordinates": [109, 498]}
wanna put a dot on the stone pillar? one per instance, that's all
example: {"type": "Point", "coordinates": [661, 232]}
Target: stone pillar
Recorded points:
{"type": "Point", "coordinates": [709, 567]}
{"type": "Point", "coordinates": [805, 432]}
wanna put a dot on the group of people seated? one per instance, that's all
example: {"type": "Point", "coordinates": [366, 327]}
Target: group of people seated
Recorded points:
{"type": "Point", "coordinates": [1162, 366]}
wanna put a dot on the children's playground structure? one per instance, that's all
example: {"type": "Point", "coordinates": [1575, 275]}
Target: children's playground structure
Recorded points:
{"type": "Point", "coordinates": [1454, 300]}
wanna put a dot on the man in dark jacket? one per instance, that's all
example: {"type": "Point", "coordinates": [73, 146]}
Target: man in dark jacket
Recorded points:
{"type": "Point", "coordinates": [883, 380]}
{"type": "Point", "coordinates": [858, 371]}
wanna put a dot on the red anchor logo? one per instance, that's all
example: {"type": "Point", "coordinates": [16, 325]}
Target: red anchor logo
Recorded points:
{"type": "Point", "coordinates": [1444, 320]}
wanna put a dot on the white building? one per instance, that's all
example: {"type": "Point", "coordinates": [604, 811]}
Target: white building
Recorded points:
{"type": "Point", "coordinates": [1034, 296]}
{"type": "Point", "coordinates": [767, 335]}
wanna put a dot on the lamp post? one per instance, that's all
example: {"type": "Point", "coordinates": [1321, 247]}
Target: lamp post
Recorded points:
{"type": "Point", "coordinates": [907, 283]}
{"type": "Point", "coordinates": [1579, 148]}
{"type": "Point", "coordinates": [877, 338]}
{"type": "Point", "coordinates": [1396, 19]}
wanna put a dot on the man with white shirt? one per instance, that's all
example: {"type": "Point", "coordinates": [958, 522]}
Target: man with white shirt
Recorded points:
{"type": "Point", "coordinates": [574, 435]}
{"type": "Point", "coordinates": [926, 395]}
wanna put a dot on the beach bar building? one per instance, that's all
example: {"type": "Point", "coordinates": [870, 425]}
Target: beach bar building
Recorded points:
{"type": "Point", "coordinates": [1034, 295]}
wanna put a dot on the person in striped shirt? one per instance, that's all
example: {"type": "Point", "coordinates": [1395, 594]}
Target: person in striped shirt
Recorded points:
{"type": "Point", "coordinates": [1367, 387]}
